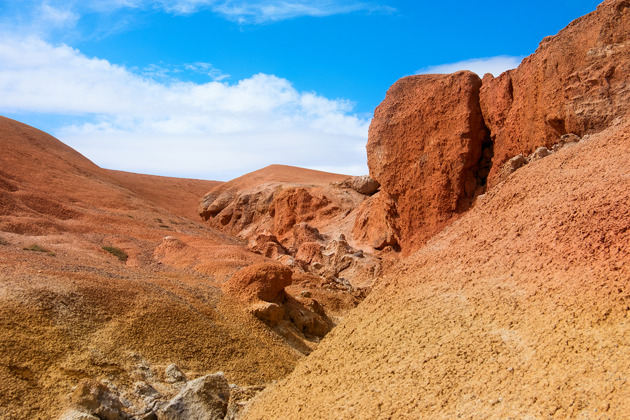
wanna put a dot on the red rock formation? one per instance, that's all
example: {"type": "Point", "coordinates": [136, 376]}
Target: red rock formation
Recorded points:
{"type": "Point", "coordinates": [375, 224]}
{"type": "Point", "coordinates": [292, 215]}
{"type": "Point", "coordinates": [424, 147]}
{"type": "Point", "coordinates": [264, 281]}
{"type": "Point", "coordinates": [576, 82]}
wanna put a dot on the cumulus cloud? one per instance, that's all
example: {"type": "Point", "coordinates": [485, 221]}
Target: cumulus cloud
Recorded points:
{"type": "Point", "coordinates": [494, 65]}
{"type": "Point", "coordinates": [218, 130]}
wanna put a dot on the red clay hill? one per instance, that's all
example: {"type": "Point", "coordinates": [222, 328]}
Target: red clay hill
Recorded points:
{"type": "Point", "coordinates": [491, 240]}
{"type": "Point", "coordinates": [110, 277]}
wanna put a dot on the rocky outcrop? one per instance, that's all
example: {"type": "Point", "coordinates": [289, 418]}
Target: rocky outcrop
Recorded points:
{"type": "Point", "coordinates": [376, 222]}
{"type": "Point", "coordinates": [204, 398]}
{"type": "Point", "coordinates": [576, 82]}
{"type": "Point", "coordinates": [93, 399]}
{"type": "Point", "coordinates": [438, 141]}
{"type": "Point", "coordinates": [264, 281]}
{"type": "Point", "coordinates": [262, 287]}
{"type": "Point", "coordinates": [292, 215]}
{"type": "Point", "coordinates": [425, 144]}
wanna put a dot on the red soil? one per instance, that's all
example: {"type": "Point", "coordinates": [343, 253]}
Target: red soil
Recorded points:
{"type": "Point", "coordinates": [518, 309]}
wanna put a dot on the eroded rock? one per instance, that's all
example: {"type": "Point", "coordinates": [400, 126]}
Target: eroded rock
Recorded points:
{"type": "Point", "coordinates": [264, 281]}
{"type": "Point", "coordinates": [362, 184]}
{"type": "Point", "coordinates": [173, 374]}
{"type": "Point", "coordinates": [269, 312]}
{"type": "Point", "coordinates": [96, 399]}
{"type": "Point", "coordinates": [204, 398]}
{"type": "Point", "coordinates": [575, 82]}
{"type": "Point", "coordinates": [375, 224]}
{"type": "Point", "coordinates": [424, 147]}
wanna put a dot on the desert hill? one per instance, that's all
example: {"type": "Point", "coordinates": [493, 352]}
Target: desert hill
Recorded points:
{"type": "Point", "coordinates": [511, 198]}
{"type": "Point", "coordinates": [482, 269]}
{"type": "Point", "coordinates": [107, 278]}
{"type": "Point", "coordinates": [518, 309]}
{"type": "Point", "coordinates": [70, 310]}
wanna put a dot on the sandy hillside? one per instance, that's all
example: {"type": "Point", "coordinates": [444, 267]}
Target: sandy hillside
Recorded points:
{"type": "Point", "coordinates": [70, 310]}
{"type": "Point", "coordinates": [519, 309]}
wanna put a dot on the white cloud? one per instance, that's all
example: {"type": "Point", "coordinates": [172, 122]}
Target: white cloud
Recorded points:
{"type": "Point", "coordinates": [494, 65]}
{"type": "Point", "coordinates": [215, 130]}
{"type": "Point", "coordinates": [57, 16]}
{"type": "Point", "coordinates": [263, 11]}
{"type": "Point", "coordinates": [51, 14]}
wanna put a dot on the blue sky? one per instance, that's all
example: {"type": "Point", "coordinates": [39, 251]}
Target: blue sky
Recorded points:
{"type": "Point", "coordinates": [217, 88]}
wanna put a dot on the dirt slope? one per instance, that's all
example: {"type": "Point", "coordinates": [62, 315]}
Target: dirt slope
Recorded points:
{"type": "Point", "coordinates": [517, 310]}
{"type": "Point", "coordinates": [70, 310]}
{"type": "Point", "coordinates": [179, 196]}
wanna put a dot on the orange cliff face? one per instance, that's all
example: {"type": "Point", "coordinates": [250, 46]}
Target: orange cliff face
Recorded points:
{"type": "Point", "coordinates": [425, 146]}
{"type": "Point", "coordinates": [575, 82]}
{"type": "Point", "coordinates": [518, 309]}
{"type": "Point", "coordinates": [438, 141]}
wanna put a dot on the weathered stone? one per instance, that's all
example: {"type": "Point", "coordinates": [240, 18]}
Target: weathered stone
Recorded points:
{"type": "Point", "coordinates": [306, 320]}
{"type": "Point", "coordinates": [539, 153]}
{"type": "Point", "coordinates": [511, 166]}
{"type": "Point", "coordinates": [77, 415]}
{"type": "Point", "coordinates": [204, 398]}
{"type": "Point", "coordinates": [575, 82]}
{"type": "Point", "coordinates": [266, 244]}
{"type": "Point", "coordinates": [173, 374]}
{"type": "Point", "coordinates": [268, 312]}
{"type": "Point", "coordinates": [375, 224]}
{"type": "Point", "coordinates": [264, 281]}
{"type": "Point", "coordinates": [309, 252]}
{"type": "Point", "coordinates": [424, 147]}
{"type": "Point", "coordinates": [566, 140]}
{"type": "Point", "coordinates": [95, 398]}
{"type": "Point", "coordinates": [299, 234]}
{"type": "Point", "coordinates": [361, 184]}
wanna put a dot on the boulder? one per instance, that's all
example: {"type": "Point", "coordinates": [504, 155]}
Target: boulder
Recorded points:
{"type": "Point", "coordinates": [539, 153]}
{"type": "Point", "coordinates": [511, 166]}
{"type": "Point", "coordinates": [565, 140]}
{"type": "Point", "coordinates": [265, 281]}
{"type": "Point", "coordinates": [361, 184]}
{"type": "Point", "coordinates": [269, 312]}
{"type": "Point", "coordinates": [306, 320]}
{"type": "Point", "coordinates": [204, 398]}
{"type": "Point", "coordinates": [173, 374]}
{"type": "Point", "coordinates": [424, 147]}
{"type": "Point", "coordinates": [575, 82]}
{"type": "Point", "coordinates": [94, 398]}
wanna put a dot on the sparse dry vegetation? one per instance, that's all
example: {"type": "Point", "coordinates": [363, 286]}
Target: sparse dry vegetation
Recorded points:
{"type": "Point", "coordinates": [119, 253]}
{"type": "Point", "coordinates": [38, 248]}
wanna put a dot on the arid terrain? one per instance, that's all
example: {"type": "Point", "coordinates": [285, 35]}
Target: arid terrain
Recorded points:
{"type": "Point", "coordinates": [481, 270]}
